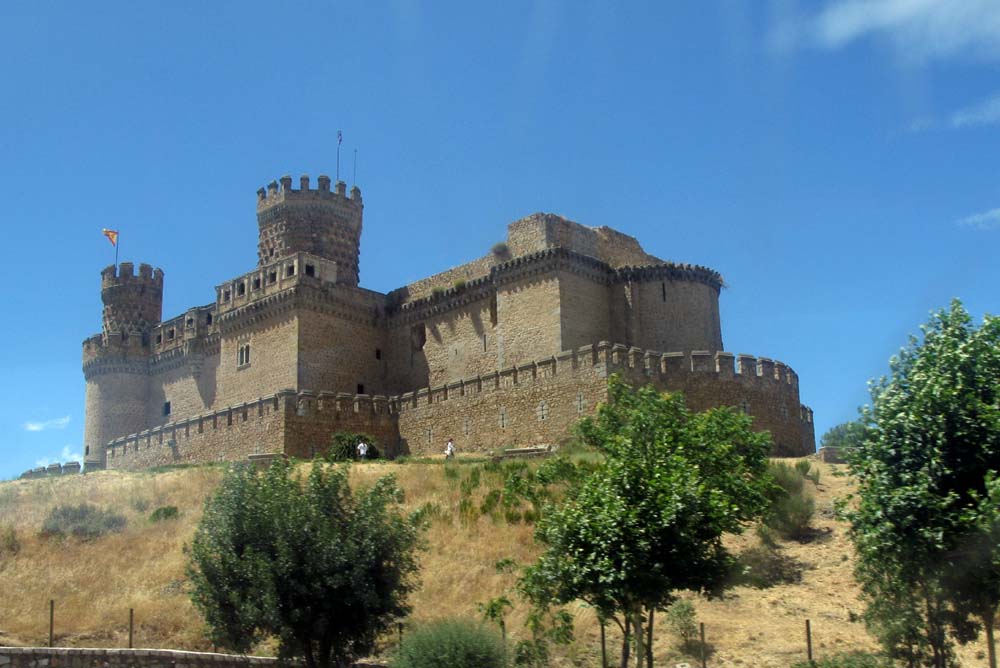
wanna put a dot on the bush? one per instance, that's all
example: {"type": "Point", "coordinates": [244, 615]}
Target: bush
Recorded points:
{"type": "Point", "coordinates": [9, 544]}
{"type": "Point", "coordinates": [792, 507]}
{"type": "Point", "coordinates": [437, 291]}
{"type": "Point", "coordinates": [344, 447]}
{"type": "Point", "coordinates": [459, 284]}
{"type": "Point", "coordinates": [164, 513]}
{"type": "Point", "coordinates": [848, 660]}
{"type": "Point", "coordinates": [681, 619]}
{"type": "Point", "coordinates": [450, 644]}
{"type": "Point", "coordinates": [83, 521]}
{"type": "Point", "coordinates": [499, 248]}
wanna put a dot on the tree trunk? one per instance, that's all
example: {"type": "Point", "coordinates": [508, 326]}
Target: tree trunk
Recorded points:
{"type": "Point", "coordinates": [626, 641]}
{"type": "Point", "coordinates": [640, 649]}
{"type": "Point", "coordinates": [649, 641]}
{"type": "Point", "coordinates": [991, 649]}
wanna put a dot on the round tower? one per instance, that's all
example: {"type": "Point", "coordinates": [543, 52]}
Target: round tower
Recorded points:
{"type": "Point", "coordinates": [116, 361]}
{"type": "Point", "coordinates": [321, 222]}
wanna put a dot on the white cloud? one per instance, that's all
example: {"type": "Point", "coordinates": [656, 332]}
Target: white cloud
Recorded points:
{"type": "Point", "coordinates": [67, 455]}
{"type": "Point", "coordinates": [57, 423]}
{"type": "Point", "coordinates": [918, 29]}
{"type": "Point", "coordinates": [987, 220]}
{"type": "Point", "coordinates": [984, 113]}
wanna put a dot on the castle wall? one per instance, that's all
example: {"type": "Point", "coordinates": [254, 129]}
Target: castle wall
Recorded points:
{"type": "Point", "coordinates": [532, 404]}
{"type": "Point", "coordinates": [677, 316]}
{"type": "Point", "coordinates": [190, 389]}
{"type": "Point", "coordinates": [299, 424]}
{"type": "Point", "coordinates": [446, 279]}
{"type": "Point", "coordinates": [584, 310]}
{"type": "Point", "coordinates": [273, 358]}
{"type": "Point", "coordinates": [528, 319]}
{"type": "Point", "coordinates": [337, 352]}
{"type": "Point", "coordinates": [78, 657]}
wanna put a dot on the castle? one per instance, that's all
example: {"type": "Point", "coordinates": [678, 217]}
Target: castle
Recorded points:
{"type": "Point", "coordinates": [508, 350]}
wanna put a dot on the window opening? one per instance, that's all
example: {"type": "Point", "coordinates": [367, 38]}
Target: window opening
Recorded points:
{"type": "Point", "coordinates": [225, 295]}
{"type": "Point", "coordinates": [663, 285]}
{"type": "Point", "coordinates": [243, 355]}
{"type": "Point", "coordinates": [290, 270]}
{"type": "Point", "coordinates": [241, 289]}
{"type": "Point", "coordinates": [189, 322]}
{"type": "Point", "coordinates": [378, 353]}
{"type": "Point", "coordinates": [166, 408]}
{"type": "Point", "coordinates": [256, 284]}
{"type": "Point", "coordinates": [272, 277]}
{"type": "Point", "coordinates": [170, 334]}
{"type": "Point", "coordinates": [208, 318]}
{"type": "Point", "coordinates": [503, 418]}
{"type": "Point", "coordinates": [159, 339]}
{"type": "Point", "coordinates": [310, 270]}
{"type": "Point", "coordinates": [361, 388]}
{"type": "Point", "coordinates": [542, 411]}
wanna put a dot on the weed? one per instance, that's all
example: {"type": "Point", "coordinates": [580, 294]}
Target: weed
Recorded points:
{"type": "Point", "coordinates": [459, 284]}
{"type": "Point", "coordinates": [450, 644]}
{"type": "Point", "coordinates": [682, 620]}
{"type": "Point", "coordinates": [499, 249]}
{"type": "Point", "coordinates": [9, 544]}
{"type": "Point", "coordinates": [83, 521]}
{"type": "Point", "coordinates": [164, 513]}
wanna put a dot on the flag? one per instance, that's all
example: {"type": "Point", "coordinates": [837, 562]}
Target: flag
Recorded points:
{"type": "Point", "coordinates": [112, 236]}
{"type": "Point", "coordinates": [340, 137]}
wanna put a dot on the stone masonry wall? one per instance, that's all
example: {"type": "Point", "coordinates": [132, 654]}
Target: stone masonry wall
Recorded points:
{"type": "Point", "coordinates": [535, 403]}
{"type": "Point", "coordinates": [74, 657]}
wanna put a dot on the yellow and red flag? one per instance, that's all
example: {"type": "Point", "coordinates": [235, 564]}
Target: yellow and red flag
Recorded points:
{"type": "Point", "coordinates": [112, 236]}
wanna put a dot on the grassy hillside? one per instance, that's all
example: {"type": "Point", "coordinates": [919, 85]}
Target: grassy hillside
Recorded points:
{"type": "Point", "coordinates": [95, 583]}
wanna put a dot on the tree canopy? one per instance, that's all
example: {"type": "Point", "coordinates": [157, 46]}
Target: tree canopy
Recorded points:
{"type": "Point", "coordinates": [649, 521]}
{"type": "Point", "coordinates": [925, 525]}
{"type": "Point", "coordinates": [309, 562]}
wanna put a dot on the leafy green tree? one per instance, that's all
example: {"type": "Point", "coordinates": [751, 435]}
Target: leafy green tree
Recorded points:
{"type": "Point", "coordinates": [926, 524]}
{"type": "Point", "coordinates": [649, 521]}
{"type": "Point", "coordinates": [844, 435]}
{"type": "Point", "coordinates": [310, 562]}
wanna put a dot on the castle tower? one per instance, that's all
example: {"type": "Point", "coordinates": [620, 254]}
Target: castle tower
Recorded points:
{"type": "Point", "coordinates": [116, 362]}
{"type": "Point", "coordinates": [320, 222]}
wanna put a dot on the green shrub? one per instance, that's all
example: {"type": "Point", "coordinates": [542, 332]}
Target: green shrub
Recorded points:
{"type": "Point", "coordinates": [83, 521]}
{"type": "Point", "coordinates": [682, 621]}
{"type": "Point", "coordinates": [164, 513]}
{"type": "Point", "coordinates": [459, 284]}
{"type": "Point", "coordinates": [437, 291]}
{"type": "Point", "coordinates": [9, 544]}
{"type": "Point", "coordinates": [344, 447]}
{"type": "Point", "coordinates": [450, 644]}
{"type": "Point", "coordinates": [499, 248]}
{"type": "Point", "coordinates": [848, 660]}
{"type": "Point", "coordinates": [792, 507]}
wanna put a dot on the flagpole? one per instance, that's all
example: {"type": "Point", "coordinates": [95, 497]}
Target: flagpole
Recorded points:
{"type": "Point", "coordinates": [355, 168]}
{"type": "Point", "coordinates": [340, 138]}
{"type": "Point", "coordinates": [116, 250]}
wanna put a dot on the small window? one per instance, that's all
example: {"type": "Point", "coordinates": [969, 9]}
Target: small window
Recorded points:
{"type": "Point", "coordinates": [290, 270]}
{"type": "Point", "coordinates": [170, 334]}
{"type": "Point", "coordinates": [579, 402]}
{"type": "Point", "coordinates": [159, 339]}
{"type": "Point", "coordinates": [542, 411]}
{"type": "Point", "coordinates": [484, 343]}
{"type": "Point", "coordinates": [166, 408]}
{"type": "Point", "coordinates": [378, 353]}
{"type": "Point", "coordinates": [663, 287]}
{"type": "Point", "coordinates": [241, 289]}
{"type": "Point", "coordinates": [745, 407]}
{"type": "Point", "coordinates": [208, 318]}
{"type": "Point", "coordinates": [225, 295]}
{"type": "Point", "coordinates": [503, 418]}
{"type": "Point", "coordinates": [189, 322]}
{"type": "Point", "coordinates": [256, 284]}
{"type": "Point", "coordinates": [86, 450]}
{"type": "Point", "coordinates": [243, 355]}
{"type": "Point", "coordinates": [272, 277]}
{"type": "Point", "coordinates": [361, 388]}
{"type": "Point", "coordinates": [310, 270]}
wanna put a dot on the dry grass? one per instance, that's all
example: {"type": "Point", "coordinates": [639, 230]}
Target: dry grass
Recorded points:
{"type": "Point", "coordinates": [95, 583]}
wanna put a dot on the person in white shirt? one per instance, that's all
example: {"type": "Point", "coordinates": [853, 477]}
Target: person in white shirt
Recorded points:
{"type": "Point", "coordinates": [362, 450]}
{"type": "Point", "coordinates": [449, 449]}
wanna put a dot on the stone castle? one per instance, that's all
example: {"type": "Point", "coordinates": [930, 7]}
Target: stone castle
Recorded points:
{"type": "Point", "coordinates": [508, 350]}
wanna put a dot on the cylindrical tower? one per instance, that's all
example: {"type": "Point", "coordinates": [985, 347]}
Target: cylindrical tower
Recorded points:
{"type": "Point", "coordinates": [116, 362]}
{"type": "Point", "coordinates": [321, 222]}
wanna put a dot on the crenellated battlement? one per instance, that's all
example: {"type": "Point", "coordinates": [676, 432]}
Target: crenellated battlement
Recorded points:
{"type": "Point", "coordinates": [281, 191]}
{"type": "Point", "coordinates": [124, 274]}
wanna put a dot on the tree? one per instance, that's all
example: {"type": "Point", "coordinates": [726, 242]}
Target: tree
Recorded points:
{"type": "Point", "coordinates": [927, 519]}
{"type": "Point", "coordinates": [649, 521]}
{"type": "Point", "coordinates": [320, 568]}
{"type": "Point", "coordinates": [844, 435]}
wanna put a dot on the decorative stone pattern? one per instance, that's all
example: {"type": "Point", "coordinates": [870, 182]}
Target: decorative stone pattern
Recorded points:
{"type": "Point", "coordinates": [486, 341]}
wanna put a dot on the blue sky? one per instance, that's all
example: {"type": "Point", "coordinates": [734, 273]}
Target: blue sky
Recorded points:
{"type": "Point", "coordinates": [835, 161]}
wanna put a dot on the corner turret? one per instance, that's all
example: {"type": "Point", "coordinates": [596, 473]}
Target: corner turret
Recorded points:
{"type": "Point", "coordinates": [321, 222]}
{"type": "Point", "coordinates": [133, 304]}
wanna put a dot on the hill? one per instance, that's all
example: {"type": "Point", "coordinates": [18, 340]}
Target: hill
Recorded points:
{"type": "Point", "coordinates": [95, 583]}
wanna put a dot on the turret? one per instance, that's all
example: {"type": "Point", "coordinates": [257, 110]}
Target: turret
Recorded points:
{"type": "Point", "coordinates": [133, 304]}
{"type": "Point", "coordinates": [322, 222]}
{"type": "Point", "coordinates": [116, 361]}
